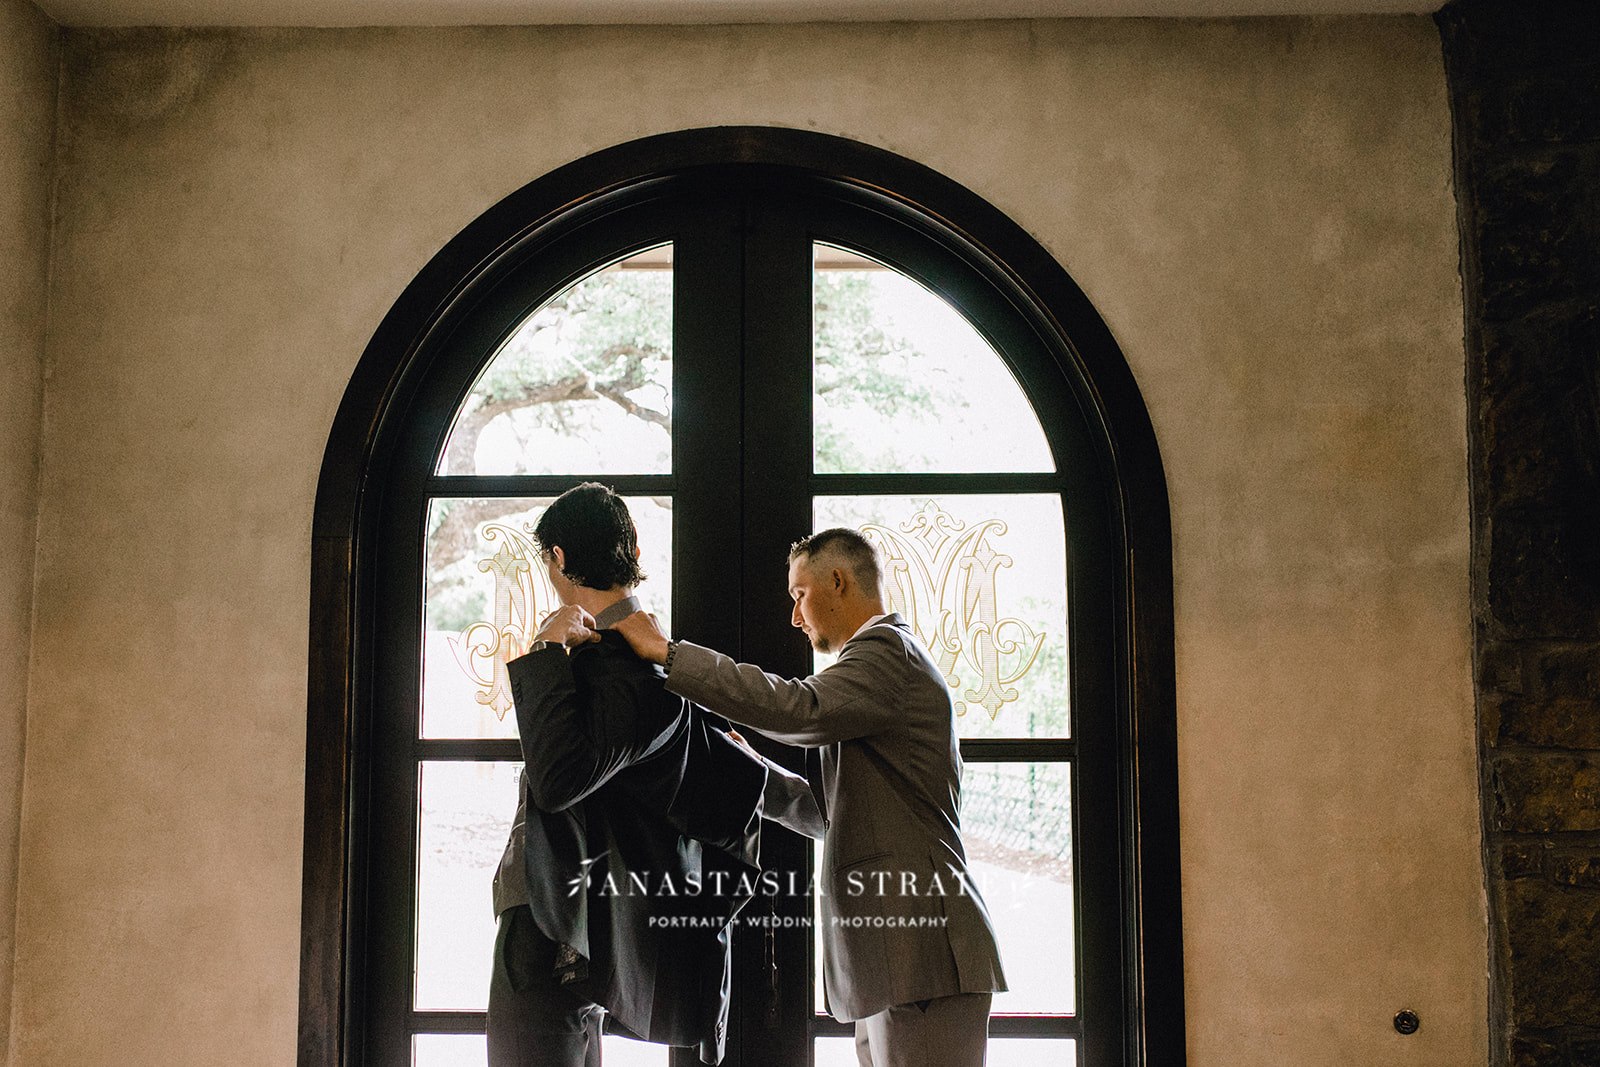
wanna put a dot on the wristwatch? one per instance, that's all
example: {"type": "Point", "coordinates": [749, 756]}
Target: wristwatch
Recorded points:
{"type": "Point", "coordinates": [672, 650]}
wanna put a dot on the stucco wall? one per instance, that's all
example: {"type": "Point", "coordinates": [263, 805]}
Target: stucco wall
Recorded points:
{"type": "Point", "coordinates": [1261, 211]}
{"type": "Point", "coordinates": [28, 66]}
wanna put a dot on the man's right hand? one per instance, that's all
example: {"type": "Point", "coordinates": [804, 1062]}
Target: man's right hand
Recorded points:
{"type": "Point", "coordinates": [568, 625]}
{"type": "Point", "coordinates": [643, 633]}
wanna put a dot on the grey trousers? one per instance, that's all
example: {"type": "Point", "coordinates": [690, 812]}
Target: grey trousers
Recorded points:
{"type": "Point", "coordinates": [534, 1021]}
{"type": "Point", "coordinates": [943, 1032]}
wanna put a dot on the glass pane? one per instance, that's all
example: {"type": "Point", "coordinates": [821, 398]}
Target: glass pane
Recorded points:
{"type": "Point", "coordinates": [467, 808]}
{"type": "Point", "coordinates": [836, 1052]}
{"type": "Point", "coordinates": [1002, 1052]}
{"type": "Point", "coordinates": [1016, 821]}
{"type": "Point", "coordinates": [624, 1052]}
{"type": "Point", "coordinates": [1016, 824]}
{"type": "Point", "coordinates": [449, 1050]}
{"type": "Point", "coordinates": [983, 581]}
{"type": "Point", "coordinates": [584, 385]}
{"type": "Point", "coordinates": [486, 592]}
{"type": "Point", "coordinates": [469, 1050]}
{"type": "Point", "coordinates": [904, 383]}
{"type": "Point", "coordinates": [1032, 1052]}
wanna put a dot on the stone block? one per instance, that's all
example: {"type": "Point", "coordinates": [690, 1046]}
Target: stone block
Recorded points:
{"type": "Point", "coordinates": [1499, 667]}
{"type": "Point", "coordinates": [1553, 339]}
{"type": "Point", "coordinates": [1535, 1052]}
{"type": "Point", "coordinates": [1570, 672]}
{"type": "Point", "coordinates": [1553, 938]}
{"type": "Point", "coordinates": [1553, 722]}
{"type": "Point", "coordinates": [1536, 445]}
{"type": "Point", "coordinates": [1538, 236]}
{"type": "Point", "coordinates": [1544, 574]}
{"type": "Point", "coordinates": [1539, 411]}
{"type": "Point", "coordinates": [1541, 257]}
{"type": "Point", "coordinates": [1580, 869]}
{"type": "Point", "coordinates": [1490, 709]}
{"type": "Point", "coordinates": [1551, 106]}
{"type": "Point", "coordinates": [1546, 793]}
{"type": "Point", "coordinates": [1533, 183]}
{"type": "Point", "coordinates": [1585, 1052]}
{"type": "Point", "coordinates": [1523, 860]}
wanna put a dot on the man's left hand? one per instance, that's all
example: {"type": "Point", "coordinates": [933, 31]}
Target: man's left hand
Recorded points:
{"type": "Point", "coordinates": [643, 632]}
{"type": "Point", "coordinates": [568, 625]}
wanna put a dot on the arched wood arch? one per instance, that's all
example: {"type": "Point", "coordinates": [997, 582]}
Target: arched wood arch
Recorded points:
{"type": "Point", "coordinates": [360, 452]}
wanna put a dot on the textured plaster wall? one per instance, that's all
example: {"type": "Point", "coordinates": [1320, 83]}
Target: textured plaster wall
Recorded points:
{"type": "Point", "coordinates": [28, 64]}
{"type": "Point", "coordinates": [1262, 212]}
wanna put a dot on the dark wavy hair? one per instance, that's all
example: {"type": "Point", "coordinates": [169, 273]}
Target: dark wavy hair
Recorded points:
{"type": "Point", "coordinates": [591, 525]}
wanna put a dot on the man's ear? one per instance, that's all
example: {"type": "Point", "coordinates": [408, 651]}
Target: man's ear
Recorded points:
{"type": "Point", "coordinates": [840, 580]}
{"type": "Point", "coordinates": [560, 557]}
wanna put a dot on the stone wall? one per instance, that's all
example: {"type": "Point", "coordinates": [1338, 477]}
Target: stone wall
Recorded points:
{"type": "Point", "coordinates": [1525, 84]}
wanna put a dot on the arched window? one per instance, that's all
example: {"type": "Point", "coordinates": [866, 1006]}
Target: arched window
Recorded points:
{"type": "Point", "coordinates": [751, 334]}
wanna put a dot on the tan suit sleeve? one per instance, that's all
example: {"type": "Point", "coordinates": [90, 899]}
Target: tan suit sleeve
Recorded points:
{"type": "Point", "coordinates": [856, 697]}
{"type": "Point", "coordinates": [788, 801]}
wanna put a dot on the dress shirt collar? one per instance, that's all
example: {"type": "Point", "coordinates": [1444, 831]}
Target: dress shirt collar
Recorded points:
{"type": "Point", "coordinates": [875, 620]}
{"type": "Point", "coordinates": [616, 613]}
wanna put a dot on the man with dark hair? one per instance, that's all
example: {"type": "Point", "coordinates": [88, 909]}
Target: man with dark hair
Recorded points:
{"type": "Point", "coordinates": [590, 533]}
{"type": "Point", "coordinates": [628, 798]}
{"type": "Point", "coordinates": [909, 952]}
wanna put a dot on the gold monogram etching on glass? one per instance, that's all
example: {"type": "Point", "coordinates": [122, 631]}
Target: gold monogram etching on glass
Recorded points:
{"type": "Point", "coordinates": [484, 648]}
{"type": "Point", "coordinates": [941, 575]}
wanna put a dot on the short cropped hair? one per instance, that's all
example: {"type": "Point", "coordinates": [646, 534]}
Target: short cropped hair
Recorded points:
{"type": "Point", "coordinates": [591, 525]}
{"type": "Point", "coordinates": [859, 555]}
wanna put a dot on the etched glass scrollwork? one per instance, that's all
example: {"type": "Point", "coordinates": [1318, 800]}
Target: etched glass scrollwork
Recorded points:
{"type": "Point", "coordinates": [982, 581]}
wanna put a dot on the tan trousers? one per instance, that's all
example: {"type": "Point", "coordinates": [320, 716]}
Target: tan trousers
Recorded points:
{"type": "Point", "coordinates": [943, 1032]}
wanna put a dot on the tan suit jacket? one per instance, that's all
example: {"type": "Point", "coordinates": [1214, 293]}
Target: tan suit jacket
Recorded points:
{"type": "Point", "coordinates": [902, 919]}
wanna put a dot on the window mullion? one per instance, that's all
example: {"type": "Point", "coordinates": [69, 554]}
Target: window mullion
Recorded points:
{"type": "Point", "coordinates": [707, 295]}
{"type": "Point", "coordinates": [777, 511]}
{"type": "Point", "coordinates": [778, 428]}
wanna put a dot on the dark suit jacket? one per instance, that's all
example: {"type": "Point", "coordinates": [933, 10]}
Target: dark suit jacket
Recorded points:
{"type": "Point", "coordinates": [640, 819]}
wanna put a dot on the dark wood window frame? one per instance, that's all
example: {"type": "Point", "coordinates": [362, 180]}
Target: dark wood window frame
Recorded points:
{"type": "Point", "coordinates": [1079, 383]}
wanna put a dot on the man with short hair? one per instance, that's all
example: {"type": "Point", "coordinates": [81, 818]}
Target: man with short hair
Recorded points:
{"type": "Point", "coordinates": [624, 784]}
{"type": "Point", "coordinates": [909, 951]}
